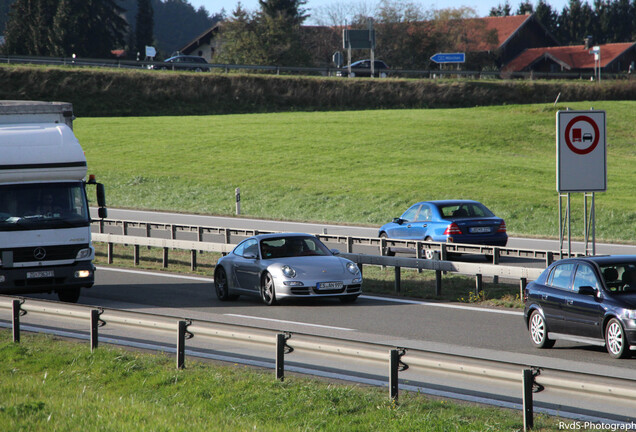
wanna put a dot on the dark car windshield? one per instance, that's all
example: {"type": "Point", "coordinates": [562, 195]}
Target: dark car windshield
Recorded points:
{"type": "Point", "coordinates": [463, 210]}
{"type": "Point", "coordinates": [620, 278]}
{"type": "Point", "coordinates": [285, 247]}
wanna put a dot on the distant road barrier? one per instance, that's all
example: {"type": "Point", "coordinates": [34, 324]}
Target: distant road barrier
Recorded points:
{"type": "Point", "coordinates": [223, 240]}
{"type": "Point", "coordinates": [299, 70]}
{"type": "Point", "coordinates": [398, 359]}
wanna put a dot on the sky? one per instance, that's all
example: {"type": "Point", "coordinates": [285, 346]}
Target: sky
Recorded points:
{"type": "Point", "coordinates": [481, 6]}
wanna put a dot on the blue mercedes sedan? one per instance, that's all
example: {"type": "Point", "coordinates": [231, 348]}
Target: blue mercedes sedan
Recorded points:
{"type": "Point", "coordinates": [452, 221]}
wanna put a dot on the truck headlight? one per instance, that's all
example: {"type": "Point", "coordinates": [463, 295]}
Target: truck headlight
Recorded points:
{"type": "Point", "coordinates": [81, 274]}
{"type": "Point", "coordinates": [2, 279]}
{"type": "Point", "coordinates": [84, 253]}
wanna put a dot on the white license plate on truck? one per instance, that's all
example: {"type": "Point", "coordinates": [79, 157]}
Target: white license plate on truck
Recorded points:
{"type": "Point", "coordinates": [40, 274]}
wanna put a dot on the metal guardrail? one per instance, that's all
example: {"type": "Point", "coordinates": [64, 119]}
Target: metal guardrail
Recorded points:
{"type": "Point", "coordinates": [298, 70]}
{"type": "Point", "coordinates": [221, 240]}
{"type": "Point", "coordinates": [399, 359]}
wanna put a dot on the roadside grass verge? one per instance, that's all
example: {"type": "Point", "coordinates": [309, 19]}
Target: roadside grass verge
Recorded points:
{"type": "Point", "coordinates": [51, 384]}
{"type": "Point", "coordinates": [377, 280]}
{"type": "Point", "coordinates": [360, 167]}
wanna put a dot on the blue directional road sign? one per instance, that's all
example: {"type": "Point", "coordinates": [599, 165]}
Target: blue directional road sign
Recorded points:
{"type": "Point", "coordinates": [449, 58]}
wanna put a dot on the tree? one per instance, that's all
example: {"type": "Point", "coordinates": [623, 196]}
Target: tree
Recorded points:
{"type": "Point", "coordinates": [525, 8]}
{"type": "Point", "coordinates": [547, 16]}
{"type": "Point", "coordinates": [290, 11]}
{"type": "Point", "coordinates": [144, 26]}
{"type": "Point", "coordinates": [29, 27]}
{"type": "Point", "coordinates": [501, 10]}
{"type": "Point", "coordinates": [88, 28]}
{"type": "Point", "coordinates": [575, 22]}
{"type": "Point", "coordinates": [5, 6]}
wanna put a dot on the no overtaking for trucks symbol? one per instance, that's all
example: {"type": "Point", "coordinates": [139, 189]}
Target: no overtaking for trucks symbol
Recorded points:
{"type": "Point", "coordinates": [581, 151]}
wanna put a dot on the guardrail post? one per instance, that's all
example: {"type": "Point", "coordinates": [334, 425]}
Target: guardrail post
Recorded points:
{"type": "Point", "coordinates": [549, 258]}
{"type": "Point", "coordinates": [227, 236]}
{"type": "Point", "coordinates": [443, 252]}
{"type": "Point", "coordinates": [349, 245]}
{"type": "Point", "coordinates": [17, 313]}
{"type": "Point", "coordinates": [173, 232]}
{"type": "Point", "coordinates": [193, 260]}
{"type": "Point", "coordinates": [165, 257]}
{"type": "Point", "coordinates": [479, 283]}
{"type": "Point", "coordinates": [495, 255]}
{"type": "Point", "coordinates": [360, 265]}
{"type": "Point", "coordinates": [418, 253]}
{"type": "Point", "coordinates": [398, 279]}
{"type": "Point", "coordinates": [528, 411]}
{"type": "Point", "coordinates": [181, 338]}
{"type": "Point", "coordinates": [394, 362]}
{"type": "Point", "coordinates": [136, 254]}
{"type": "Point", "coordinates": [148, 232]}
{"type": "Point", "coordinates": [110, 253]}
{"type": "Point", "coordinates": [523, 282]}
{"type": "Point", "coordinates": [281, 349]}
{"type": "Point", "coordinates": [438, 283]}
{"type": "Point", "coordinates": [96, 322]}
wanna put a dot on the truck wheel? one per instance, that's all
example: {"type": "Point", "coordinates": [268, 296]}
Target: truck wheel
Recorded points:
{"type": "Point", "coordinates": [69, 295]}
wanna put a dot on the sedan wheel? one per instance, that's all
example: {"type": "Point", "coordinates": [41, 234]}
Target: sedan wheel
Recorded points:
{"type": "Point", "coordinates": [539, 331]}
{"type": "Point", "coordinates": [268, 293]}
{"type": "Point", "coordinates": [615, 340]}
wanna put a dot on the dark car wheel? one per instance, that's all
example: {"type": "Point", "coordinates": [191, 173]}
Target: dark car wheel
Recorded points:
{"type": "Point", "coordinates": [221, 285]}
{"type": "Point", "coordinates": [386, 251]}
{"type": "Point", "coordinates": [69, 295]}
{"type": "Point", "coordinates": [539, 331]}
{"type": "Point", "coordinates": [615, 341]}
{"type": "Point", "coordinates": [268, 292]}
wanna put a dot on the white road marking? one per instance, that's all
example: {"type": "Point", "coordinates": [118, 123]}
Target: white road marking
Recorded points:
{"type": "Point", "coordinates": [290, 322]}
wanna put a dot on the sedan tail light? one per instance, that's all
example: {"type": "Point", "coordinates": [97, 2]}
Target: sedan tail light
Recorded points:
{"type": "Point", "coordinates": [502, 227]}
{"type": "Point", "coordinates": [452, 229]}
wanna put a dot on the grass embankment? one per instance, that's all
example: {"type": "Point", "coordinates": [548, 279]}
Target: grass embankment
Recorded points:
{"type": "Point", "coordinates": [125, 92]}
{"type": "Point", "coordinates": [48, 384]}
{"type": "Point", "coordinates": [363, 167]}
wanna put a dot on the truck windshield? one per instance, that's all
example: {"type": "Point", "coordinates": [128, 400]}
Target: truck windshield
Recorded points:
{"type": "Point", "coordinates": [35, 206]}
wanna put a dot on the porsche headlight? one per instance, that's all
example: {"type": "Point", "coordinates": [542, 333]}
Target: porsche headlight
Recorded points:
{"type": "Point", "coordinates": [288, 271]}
{"type": "Point", "coordinates": [353, 269]}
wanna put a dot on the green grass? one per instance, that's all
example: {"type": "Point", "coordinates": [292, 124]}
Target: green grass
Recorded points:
{"type": "Point", "coordinates": [361, 167]}
{"type": "Point", "coordinates": [47, 384]}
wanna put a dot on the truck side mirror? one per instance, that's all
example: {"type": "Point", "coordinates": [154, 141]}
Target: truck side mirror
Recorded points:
{"type": "Point", "coordinates": [102, 212]}
{"type": "Point", "coordinates": [101, 195]}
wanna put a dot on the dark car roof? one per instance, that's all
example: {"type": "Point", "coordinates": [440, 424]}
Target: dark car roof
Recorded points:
{"type": "Point", "coordinates": [195, 59]}
{"type": "Point", "coordinates": [603, 260]}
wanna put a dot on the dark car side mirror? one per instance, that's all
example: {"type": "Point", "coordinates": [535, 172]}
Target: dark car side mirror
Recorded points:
{"type": "Point", "coordinates": [398, 221]}
{"type": "Point", "coordinates": [587, 290]}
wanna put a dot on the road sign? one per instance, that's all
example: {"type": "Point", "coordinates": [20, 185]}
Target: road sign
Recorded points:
{"type": "Point", "coordinates": [449, 58]}
{"type": "Point", "coordinates": [581, 151]}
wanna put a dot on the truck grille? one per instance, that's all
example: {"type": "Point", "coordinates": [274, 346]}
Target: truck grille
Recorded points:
{"type": "Point", "coordinates": [45, 253]}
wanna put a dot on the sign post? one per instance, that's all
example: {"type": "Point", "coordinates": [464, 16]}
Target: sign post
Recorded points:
{"type": "Point", "coordinates": [581, 166]}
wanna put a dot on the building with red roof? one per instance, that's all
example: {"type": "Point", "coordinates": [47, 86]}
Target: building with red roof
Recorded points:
{"type": "Point", "coordinates": [614, 57]}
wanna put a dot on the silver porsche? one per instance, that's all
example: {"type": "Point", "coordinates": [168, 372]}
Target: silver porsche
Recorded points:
{"type": "Point", "coordinates": [278, 266]}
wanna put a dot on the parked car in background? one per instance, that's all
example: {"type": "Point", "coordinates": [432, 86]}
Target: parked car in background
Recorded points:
{"type": "Point", "coordinates": [590, 300]}
{"type": "Point", "coordinates": [362, 68]}
{"type": "Point", "coordinates": [277, 266]}
{"type": "Point", "coordinates": [183, 62]}
{"type": "Point", "coordinates": [452, 221]}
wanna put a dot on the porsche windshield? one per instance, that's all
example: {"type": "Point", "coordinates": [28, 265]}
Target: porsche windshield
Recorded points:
{"type": "Point", "coordinates": [43, 206]}
{"type": "Point", "coordinates": [285, 247]}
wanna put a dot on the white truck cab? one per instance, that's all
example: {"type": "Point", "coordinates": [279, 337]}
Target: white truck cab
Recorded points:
{"type": "Point", "coordinates": [45, 234]}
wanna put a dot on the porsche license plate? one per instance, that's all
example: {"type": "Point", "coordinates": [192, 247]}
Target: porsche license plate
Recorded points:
{"type": "Point", "coordinates": [479, 230]}
{"type": "Point", "coordinates": [39, 274]}
{"type": "Point", "coordinates": [329, 285]}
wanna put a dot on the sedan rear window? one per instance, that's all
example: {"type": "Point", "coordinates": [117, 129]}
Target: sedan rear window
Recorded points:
{"type": "Point", "coordinates": [561, 276]}
{"type": "Point", "coordinates": [459, 210]}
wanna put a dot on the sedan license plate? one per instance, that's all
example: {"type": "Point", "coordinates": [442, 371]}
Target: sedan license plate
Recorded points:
{"type": "Point", "coordinates": [39, 274]}
{"type": "Point", "coordinates": [478, 230]}
{"type": "Point", "coordinates": [329, 285]}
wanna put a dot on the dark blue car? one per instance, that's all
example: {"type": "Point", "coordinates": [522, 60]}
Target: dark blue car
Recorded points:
{"type": "Point", "coordinates": [456, 221]}
{"type": "Point", "coordinates": [590, 300]}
